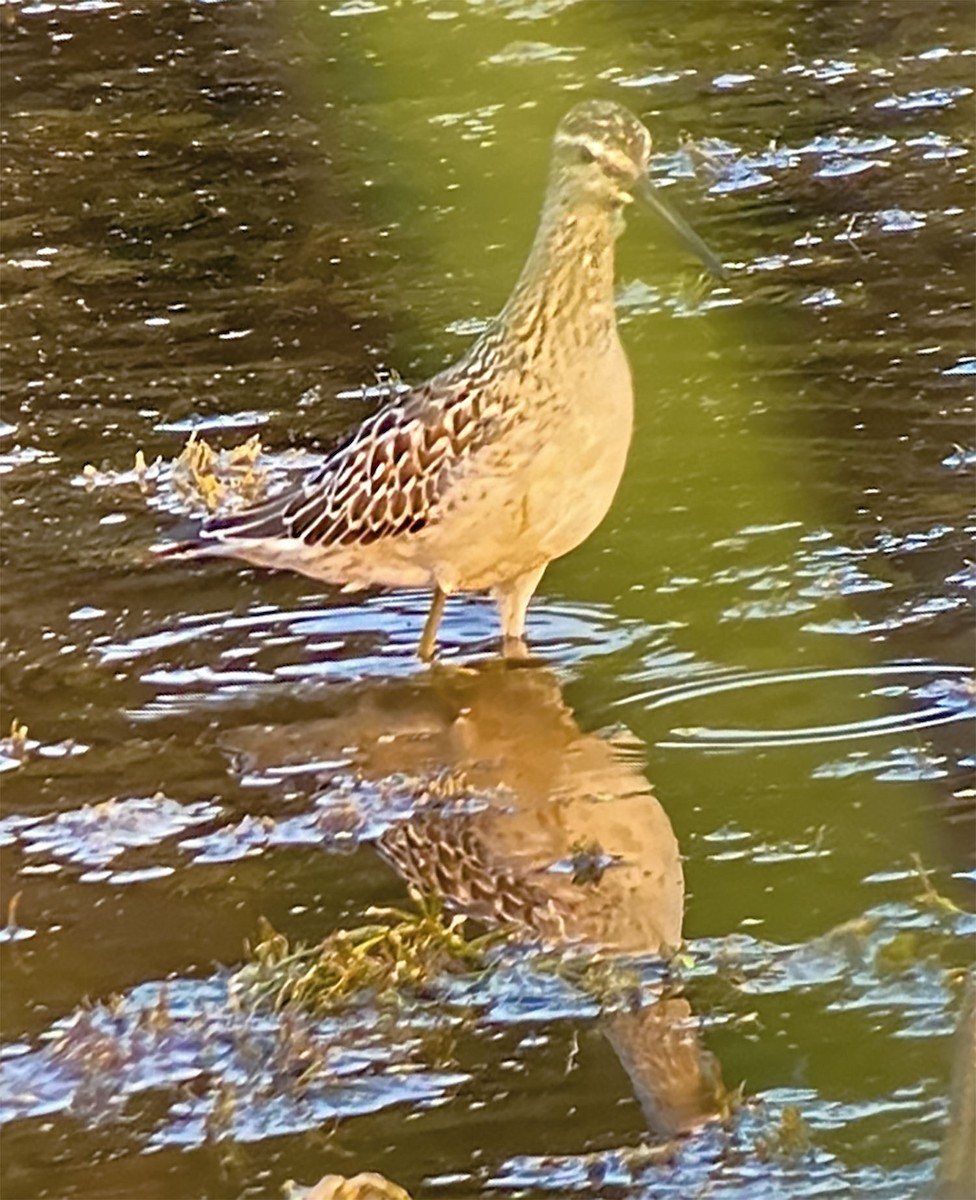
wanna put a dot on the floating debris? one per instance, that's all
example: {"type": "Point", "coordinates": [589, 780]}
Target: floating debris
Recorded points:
{"type": "Point", "coordinates": [19, 748]}
{"type": "Point", "coordinates": [587, 862]}
{"type": "Point", "coordinates": [366, 1186]}
{"type": "Point", "coordinates": [203, 479]}
{"type": "Point", "coordinates": [388, 386]}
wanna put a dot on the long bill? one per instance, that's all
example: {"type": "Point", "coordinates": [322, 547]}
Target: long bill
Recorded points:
{"type": "Point", "coordinates": [647, 192]}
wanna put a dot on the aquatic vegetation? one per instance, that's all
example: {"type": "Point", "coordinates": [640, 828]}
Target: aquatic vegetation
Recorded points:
{"type": "Point", "coordinates": [220, 479]}
{"type": "Point", "coordinates": [930, 897]}
{"type": "Point", "coordinates": [19, 748]}
{"type": "Point", "coordinates": [200, 476]}
{"type": "Point", "coordinates": [16, 745]}
{"type": "Point", "coordinates": [402, 952]}
{"type": "Point", "coordinates": [145, 476]}
{"type": "Point", "coordinates": [220, 1074]}
{"type": "Point", "coordinates": [203, 479]}
{"type": "Point", "coordinates": [790, 1137]}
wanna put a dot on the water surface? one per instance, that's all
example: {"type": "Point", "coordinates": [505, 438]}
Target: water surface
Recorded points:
{"type": "Point", "coordinates": [232, 217]}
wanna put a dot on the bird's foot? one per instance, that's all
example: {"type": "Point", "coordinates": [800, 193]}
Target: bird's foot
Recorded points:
{"type": "Point", "coordinates": [427, 649]}
{"type": "Point", "coordinates": [515, 648]}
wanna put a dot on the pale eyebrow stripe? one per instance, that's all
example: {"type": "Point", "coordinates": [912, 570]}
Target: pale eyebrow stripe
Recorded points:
{"type": "Point", "coordinates": [595, 148]}
{"type": "Point", "coordinates": [614, 159]}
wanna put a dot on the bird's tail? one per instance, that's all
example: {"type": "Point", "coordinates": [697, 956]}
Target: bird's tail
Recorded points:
{"type": "Point", "coordinates": [189, 548]}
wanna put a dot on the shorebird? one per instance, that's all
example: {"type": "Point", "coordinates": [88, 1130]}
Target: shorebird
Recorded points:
{"type": "Point", "coordinates": [480, 477]}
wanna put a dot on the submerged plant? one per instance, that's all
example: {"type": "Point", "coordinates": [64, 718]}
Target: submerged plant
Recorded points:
{"type": "Point", "coordinates": [930, 897]}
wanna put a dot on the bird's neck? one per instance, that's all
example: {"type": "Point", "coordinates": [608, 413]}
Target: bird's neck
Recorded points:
{"type": "Point", "coordinates": [565, 292]}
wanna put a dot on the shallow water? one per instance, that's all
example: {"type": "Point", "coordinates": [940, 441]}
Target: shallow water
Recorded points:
{"type": "Point", "coordinates": [231, 217]}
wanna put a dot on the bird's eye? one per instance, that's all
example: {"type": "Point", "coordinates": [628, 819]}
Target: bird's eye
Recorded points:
{"type": "Point", "coordinates": [586, 155]}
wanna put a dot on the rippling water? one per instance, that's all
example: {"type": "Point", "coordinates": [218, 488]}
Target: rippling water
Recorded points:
{"type": "Point", "coordinates": [235, 218]}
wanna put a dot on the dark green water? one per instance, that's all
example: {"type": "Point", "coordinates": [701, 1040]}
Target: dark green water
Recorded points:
{"type": "Point", "coordinates": [226, 215]}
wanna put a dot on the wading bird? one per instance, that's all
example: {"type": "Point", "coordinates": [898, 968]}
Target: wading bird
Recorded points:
{"type": "Point", "coordinates": [509, 458]}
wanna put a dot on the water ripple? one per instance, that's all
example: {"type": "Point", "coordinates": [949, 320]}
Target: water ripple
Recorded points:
{"type": "Point", "coordinates": [931, 710]}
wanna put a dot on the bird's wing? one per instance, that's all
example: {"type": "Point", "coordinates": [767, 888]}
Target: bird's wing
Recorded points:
{"type": "Point", "coordinates": [382, 480]}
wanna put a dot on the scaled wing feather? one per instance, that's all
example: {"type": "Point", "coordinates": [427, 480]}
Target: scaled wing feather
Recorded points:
{"type": "Point", "coordinates": [384, 480]}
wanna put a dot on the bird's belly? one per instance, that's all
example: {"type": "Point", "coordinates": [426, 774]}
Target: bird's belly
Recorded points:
{"type": "Point", "coordinates": [565, 511]}
{"type": "Point", "coordinates": [543, 498]}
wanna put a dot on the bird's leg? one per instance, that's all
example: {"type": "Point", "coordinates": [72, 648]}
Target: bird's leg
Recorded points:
{"type": "Point", "coordinates": [428, 639]}
{"type": "Point", "coordinates": [512, 598]}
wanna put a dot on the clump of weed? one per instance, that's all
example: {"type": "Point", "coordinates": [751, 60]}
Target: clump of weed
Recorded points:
{"type": "Point", "coordinates": [790, 1138]}
{"type": "Point", "coordinates": [401, 952]}
{"type": "Point", "coordinates": [220, 478]}
{"type": "Point", "coordinates": [201, 477]}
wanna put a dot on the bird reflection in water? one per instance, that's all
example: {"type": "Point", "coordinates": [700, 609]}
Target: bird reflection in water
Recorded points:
{"type": "Point", "coordinates": [566, 843]}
